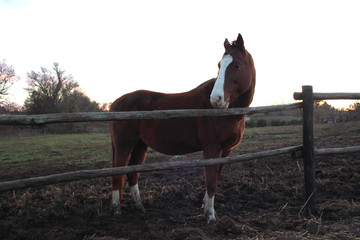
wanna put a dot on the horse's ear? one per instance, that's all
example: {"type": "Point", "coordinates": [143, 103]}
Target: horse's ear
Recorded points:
{"type": "Point", "coordinates": [227, 45]}
{"type": "Point", "coordinates": [240, 41]}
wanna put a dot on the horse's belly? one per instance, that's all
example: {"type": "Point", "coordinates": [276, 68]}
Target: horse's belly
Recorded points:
{"type": "Point", "coordinates": [172, 137]}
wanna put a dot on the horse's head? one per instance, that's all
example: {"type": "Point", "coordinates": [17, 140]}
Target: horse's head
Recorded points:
{"type": "Point", "coordinates": [236, 75]}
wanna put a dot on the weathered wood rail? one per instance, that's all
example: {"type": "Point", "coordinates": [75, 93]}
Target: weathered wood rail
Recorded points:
{"type": "Point", "coordinates": [308, 152]}
{"type": "Point", "coordinates": [9, 119]}
{"type": "Point", "coordinates": [149, 167]}
{"type": "Point", "coordinates": [328, 96]}
{"type": "Point", "coordinates": [307, 149]}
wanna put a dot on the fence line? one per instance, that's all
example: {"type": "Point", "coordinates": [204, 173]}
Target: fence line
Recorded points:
{"type": "Point", "coordinates": [324, 151]}
{"type": "Point", "coordinates": [296, 152]}
{"type": "Point", "coordinates": [307, 149]}
{"type": "Point", "coordinates": [148, 167]}
{"type": "Point", "coordinates": [9, 119]}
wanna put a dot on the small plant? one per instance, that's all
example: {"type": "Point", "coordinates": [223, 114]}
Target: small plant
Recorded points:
{"type": "Point", "coordinates": [261, 123]}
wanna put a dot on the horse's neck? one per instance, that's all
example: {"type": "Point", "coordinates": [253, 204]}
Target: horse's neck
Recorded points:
{"type": "Point", "coordinates": [205, 89]}
{"type": "Point", "coordinates": [245, 99]}
{"type": "Point", "coordinates": [202, 93]}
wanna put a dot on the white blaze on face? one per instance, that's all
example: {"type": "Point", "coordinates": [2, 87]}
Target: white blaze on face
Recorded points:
{"type": "Point", "coordinates": [209, 208]}
{"type": "Point", "coordinates": [217, 96]}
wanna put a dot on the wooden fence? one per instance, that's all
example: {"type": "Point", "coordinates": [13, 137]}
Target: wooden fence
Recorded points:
{"type": "Point", "coordinates": [306, 151]}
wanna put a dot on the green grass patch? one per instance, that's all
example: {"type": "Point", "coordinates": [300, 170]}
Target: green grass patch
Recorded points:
{"type": "Point", "coordinates": [61, 149]}
{"type": "Point", "coordinates": [91, 149]}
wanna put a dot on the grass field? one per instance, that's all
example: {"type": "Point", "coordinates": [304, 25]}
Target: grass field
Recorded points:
{"type": "Point", "coordinates": [91, 149]}
{"type": "Point", "coordinates": [64, 149]}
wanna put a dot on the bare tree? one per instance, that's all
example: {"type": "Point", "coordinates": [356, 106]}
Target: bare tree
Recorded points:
{"type": "Point", "coordinates": [355, 106]}
{"type": "Point", "coordinates": [10, 108]}
{"type": "Point", "coordinates": [56, 92]}
{"type": "Point", "coordinates": [7, 79]}
{"type": "Point", "coordinates": [47, 89]}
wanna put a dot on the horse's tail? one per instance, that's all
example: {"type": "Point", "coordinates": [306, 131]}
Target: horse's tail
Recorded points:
{"type": "Point", "coordinates": [112, 145]}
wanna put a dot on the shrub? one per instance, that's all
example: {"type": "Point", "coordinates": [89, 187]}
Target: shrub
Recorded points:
{"type": "Point", "coordinates": [261, 123]}
{"type": "Point", "coordinates": [277, 122]}
{"type": "Point", "coordinates": [250, 123]}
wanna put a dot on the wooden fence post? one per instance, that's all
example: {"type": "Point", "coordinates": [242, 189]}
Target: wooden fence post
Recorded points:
{"type": "Point", "coordinates": [308, 150]}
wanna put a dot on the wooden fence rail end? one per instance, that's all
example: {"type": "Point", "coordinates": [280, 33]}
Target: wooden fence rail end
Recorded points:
{"type": "Point", "coordinates": [329, 96]}
{"type": "Point", "coordinates": [324, 151]}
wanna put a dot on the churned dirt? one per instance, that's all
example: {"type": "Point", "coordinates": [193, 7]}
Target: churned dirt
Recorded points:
{"type": "Point", "coordinates": [261, 199]}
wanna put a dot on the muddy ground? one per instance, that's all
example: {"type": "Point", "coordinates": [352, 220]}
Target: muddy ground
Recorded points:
{"type": "Point", "coordinates": [259, 199]}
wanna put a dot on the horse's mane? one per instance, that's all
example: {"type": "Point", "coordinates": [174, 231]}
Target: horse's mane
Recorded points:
{"type": "Point", "coordinates": [238, 45]}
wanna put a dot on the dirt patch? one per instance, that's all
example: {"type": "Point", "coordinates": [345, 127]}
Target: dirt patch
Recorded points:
{"type": "Point", "coordinates": [255, 199]}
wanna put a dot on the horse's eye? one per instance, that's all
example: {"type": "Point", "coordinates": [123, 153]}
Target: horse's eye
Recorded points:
{"type": "Point", "coordinates": [236, 65]}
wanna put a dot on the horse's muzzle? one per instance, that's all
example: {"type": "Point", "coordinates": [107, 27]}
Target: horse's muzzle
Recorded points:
{"type": "Point", "coordinates": [218, 102]}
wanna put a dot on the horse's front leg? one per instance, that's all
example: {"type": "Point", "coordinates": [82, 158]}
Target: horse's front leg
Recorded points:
{"type": "Point", "coordinates": [211, 181]}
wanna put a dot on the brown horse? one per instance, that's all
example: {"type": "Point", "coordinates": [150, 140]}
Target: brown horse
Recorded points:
{"type": "Point", "coordinates": [215, 136]}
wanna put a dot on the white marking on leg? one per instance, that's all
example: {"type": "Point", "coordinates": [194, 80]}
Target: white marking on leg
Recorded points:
{"type": "Point", "coordinates": [115, 198]}
{"type": "Point", "coordinates": [217, 96]}
{"type": "Point", "coordinates": [115, 202]}
{"type": "Point", "coordinates": [135, 195]}
{"type": "Point", "coordinates": [209, 208]}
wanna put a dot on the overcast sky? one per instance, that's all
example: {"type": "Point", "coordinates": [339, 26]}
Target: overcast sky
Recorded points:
{"type": "Point", "coordinates": [114, 47]}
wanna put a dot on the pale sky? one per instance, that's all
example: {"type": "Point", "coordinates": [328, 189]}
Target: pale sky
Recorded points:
{"type": "Point", "coordinates": [114, 47]}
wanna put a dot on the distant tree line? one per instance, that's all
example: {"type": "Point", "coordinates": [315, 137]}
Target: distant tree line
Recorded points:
{"type": "Point", "coordinates": [323, 113]}
{"type": "Point", "coordinates": [54, 91]}
{"type": "Point", "coordinates": [49, 91]}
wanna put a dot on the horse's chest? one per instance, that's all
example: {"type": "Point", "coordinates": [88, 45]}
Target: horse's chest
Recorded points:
{"type": "Point", "coordinates": [224, 132]}
{"type": "Point", "coordinates": [175, 136]}
{"type": "Point", "coordinates": [231, 138]}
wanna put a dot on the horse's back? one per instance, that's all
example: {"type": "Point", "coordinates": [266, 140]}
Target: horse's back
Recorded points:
{"type": "Point", "coordinates": [169, 136]}
{"type": "Point", "coordinates": [140, 100]}
{"type": "Point", "coordinates": [143, 100]}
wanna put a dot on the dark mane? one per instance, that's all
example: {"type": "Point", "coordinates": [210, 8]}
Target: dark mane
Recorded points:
{"type": "Point", "coordinates": [237, 45]}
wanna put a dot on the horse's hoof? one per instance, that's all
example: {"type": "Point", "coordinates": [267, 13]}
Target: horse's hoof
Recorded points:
{"type": "Point", "coordinates": [211, 220]}
{"type": "Point", "coordinates": [117, 211]}
{"type": "Point", "coordinates": [210, 216]}
{"type": "Point", "coordinates": [141, 208]}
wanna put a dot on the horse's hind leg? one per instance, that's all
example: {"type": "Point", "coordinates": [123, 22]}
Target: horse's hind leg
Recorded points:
{"type": "Point", "coordinates": [121, 150]}
{"type": "Point", "coordinates": [118, 182]}
{"type": "Point", "coordinates": [137, 157]}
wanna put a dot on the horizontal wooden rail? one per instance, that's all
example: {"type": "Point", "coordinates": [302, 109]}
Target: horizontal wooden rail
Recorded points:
{"type": "Point", "coordinates": [9, 119]}
{"type": "Point", "coordinates": [324, 151]}
{"type": "Point", "coordinates": [87, 174]}
{"type": "Point", "coordinates": [329, 96]}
